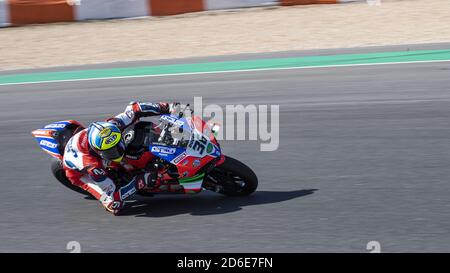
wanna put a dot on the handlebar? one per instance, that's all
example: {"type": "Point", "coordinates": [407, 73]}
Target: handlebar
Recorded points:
{"type": "Point", "coordinates": [163, 138]}
{"type": "Point", "coordinates": [181, 114]}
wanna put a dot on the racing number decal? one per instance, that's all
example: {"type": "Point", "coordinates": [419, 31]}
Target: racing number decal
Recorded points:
{"type": "Point", "coordinates": [199, 145]}
{"type": "Point", "coordinates": [98, 172]}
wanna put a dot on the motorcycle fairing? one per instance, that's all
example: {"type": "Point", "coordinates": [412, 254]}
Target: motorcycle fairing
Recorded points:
{"type": "Point", "coordinates": [47, 137]}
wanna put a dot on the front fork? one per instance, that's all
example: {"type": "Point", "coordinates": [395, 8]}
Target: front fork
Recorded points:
{"type": "Point", "coordinates": [209, 182]}
{"type": "Point", "coordinates": [221, 160]}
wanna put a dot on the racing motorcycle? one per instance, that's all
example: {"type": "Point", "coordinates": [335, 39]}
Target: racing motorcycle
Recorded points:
{"type": "Point", "coordinates": [182, 151]}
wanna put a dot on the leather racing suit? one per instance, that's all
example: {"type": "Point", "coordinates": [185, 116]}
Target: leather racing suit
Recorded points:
{"type": "Point", "coordinates": [85, 169]}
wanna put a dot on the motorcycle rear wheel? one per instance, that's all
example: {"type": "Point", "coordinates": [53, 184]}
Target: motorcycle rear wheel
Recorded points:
{"type": "Point", "coordinates": [60, 175]}
{"type": "Point", "coordinates": [234, 178]}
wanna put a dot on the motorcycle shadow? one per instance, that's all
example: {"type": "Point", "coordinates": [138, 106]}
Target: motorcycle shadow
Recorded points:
{"type": "Point", "coordinates": [206, 203]}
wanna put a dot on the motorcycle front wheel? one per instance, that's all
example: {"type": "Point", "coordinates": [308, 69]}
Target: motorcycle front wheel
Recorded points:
{"type": "Point", "coordinates": [233, 178]}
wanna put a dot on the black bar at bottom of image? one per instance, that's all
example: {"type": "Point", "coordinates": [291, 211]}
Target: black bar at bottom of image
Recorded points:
{"type": "Point", "coordinates": [223, 262]}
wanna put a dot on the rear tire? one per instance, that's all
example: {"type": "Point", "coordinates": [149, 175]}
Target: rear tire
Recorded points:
{"type": "Point", "coordinates": [60, 175]}
{"type": "Point", "coordinates": [234, 177]}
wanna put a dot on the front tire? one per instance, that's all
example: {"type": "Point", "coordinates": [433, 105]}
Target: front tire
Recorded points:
{"type": "Point", "coordinates": [60, 175]}
{"type": "Point", "coordinates": [234, 178]}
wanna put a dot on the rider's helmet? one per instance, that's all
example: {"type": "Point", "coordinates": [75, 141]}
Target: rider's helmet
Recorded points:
{"type": "Point", "coordinates": [106, 140]}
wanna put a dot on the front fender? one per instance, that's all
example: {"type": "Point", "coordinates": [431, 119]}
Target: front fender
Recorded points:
{"type": "Point", "coordinates": [220, 161]}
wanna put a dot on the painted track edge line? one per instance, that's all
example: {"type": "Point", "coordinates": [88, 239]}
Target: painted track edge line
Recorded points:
{"type": "Point", "coordinates": [223, 72]}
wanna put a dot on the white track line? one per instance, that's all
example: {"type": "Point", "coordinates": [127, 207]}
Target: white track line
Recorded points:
{"type": "Point", "coordinates": [221, 72]}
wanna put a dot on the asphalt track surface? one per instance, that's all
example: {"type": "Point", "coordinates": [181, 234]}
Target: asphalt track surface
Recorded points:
{"type": "Point", "coordinates": [363, 156]}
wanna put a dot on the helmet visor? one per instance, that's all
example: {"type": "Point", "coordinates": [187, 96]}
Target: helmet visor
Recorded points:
{"type": "Point", "coordinates": [114, 152]}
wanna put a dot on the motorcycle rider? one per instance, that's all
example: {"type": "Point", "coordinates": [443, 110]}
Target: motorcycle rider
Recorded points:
{"type": "Point", "coordinates": [90, 153]}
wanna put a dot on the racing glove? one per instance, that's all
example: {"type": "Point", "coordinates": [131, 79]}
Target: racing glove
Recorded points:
{"type": "Point", "coordinates": [115, 207]}
{"type": "Point", "coordinates": [174, 107]}
{"type": "Point", "coordinates": [146, 180]}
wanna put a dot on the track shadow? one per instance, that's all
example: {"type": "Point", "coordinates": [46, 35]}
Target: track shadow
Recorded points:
{"type": "Point", "coordinates": [206, 203]}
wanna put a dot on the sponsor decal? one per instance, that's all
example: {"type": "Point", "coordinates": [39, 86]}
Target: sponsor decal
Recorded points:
{"type": "Point", "coordinates": [129, 114]}
{"type": "Point", "coordinates": [48, 144]}
{"type": "Point", "coordinates": [163, 150]}
{"type": "Point", "coordinates": [177, 159]}
{"type": "Point", "coordinates": [185, 162]}
{"type": "Point", "coordinates": [55, 125]}
{"type": "Point", "coordinates": [111, 139]}
{"type": "Point", "coordinates": [127, 190]}
{"type": "Point", "coordinates": [69, 149]}
{"type": "Point", "coordinates": [148, 106]}
{"type": "Point", "coordinates": [105, 132]}
{"type": "Point", "coordinates": [185, 174]}
{"type": "Point", "coordinates": [209, 148]}
{"type": "Point", "coordinates": [128, 193]}
{"type": "Point", "coordinates": [109, 190]}
{"type": "Point", "coordinates": [172, 120]}
{"type": "Point", "coordinates": [70, 164]}
{"type": "Point", "coordinates": [132, 157]}
{"type": "Point", "coordinates": [196, 163]}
